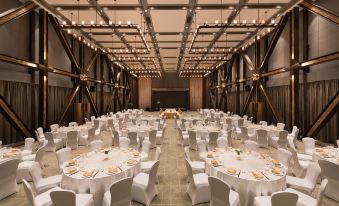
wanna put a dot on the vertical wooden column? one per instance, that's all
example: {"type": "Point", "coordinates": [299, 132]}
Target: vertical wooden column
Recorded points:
{"type": "Point", "coordinates": [305, 52]}
{"type": "Point", "coordinates": [124, 81]}
{"type": "Point", "coordinates": [81, 65]}
{"type": "Point", "coordinates": [102, 109]}
{"type": "Point", "coordinates": [255, 107]}
{"type": "Point", "coordinates": [43, 75]}
{"type": "Point", "coordinates": [32, 24]}
{"type": "Point", "coordinates": [237, 98]}
{"type": "Point", "coordinates": [294, 74]}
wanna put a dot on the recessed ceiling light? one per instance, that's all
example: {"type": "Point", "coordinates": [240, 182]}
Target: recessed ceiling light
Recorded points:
{"type": "Point", "coordinates": [58, 8]}
{"type": "Point", "coordinates": [198, 7]}
{"type": "Point", "coordinates": [278, 7]}
{"type": "Point", "coordinates": [245, 7]}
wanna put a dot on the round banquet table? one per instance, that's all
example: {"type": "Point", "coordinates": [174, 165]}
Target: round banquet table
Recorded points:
{"type": "Point", "coordinates": [99, 162]}
{"type": "Point", "coordinates": [328, 153]}
{"type": "Point", "coordinates": [61, 132]}
{"type": "Point", "coordinates": [243, 180]}
{"type": "Point", "coordinates": [203, 131]}
{"type": "Point", "coordinates": [9, 153]}
{"type": "Point", "coordinates": [271, 130]}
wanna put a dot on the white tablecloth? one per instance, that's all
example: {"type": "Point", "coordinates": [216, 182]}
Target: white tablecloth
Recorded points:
{"type": "Point", "coordinates": [102, 180]}
{"type": "Point", "coordinates": [243, 181]}
{"type": "Point", "coordinates": [330, 154]}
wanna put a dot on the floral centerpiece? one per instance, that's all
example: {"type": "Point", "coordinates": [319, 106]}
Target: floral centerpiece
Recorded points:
{"type": "Point", "coordinates": [238, 151]}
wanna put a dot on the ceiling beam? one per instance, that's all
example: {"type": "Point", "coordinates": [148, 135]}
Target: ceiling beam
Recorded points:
{"type": "Point", "coordinates": [18, 12]}
{"type": "Point", "coordinates": [320, 11]}
{"type": "Point", "coordinates": [231, 17]}
{"type": "Point", "coordinates": [150, 27]}
{"type": "Point", "coordinates": [187, 28]}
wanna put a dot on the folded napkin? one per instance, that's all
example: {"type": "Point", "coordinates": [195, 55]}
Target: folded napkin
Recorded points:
{"type": "Point", "coordinates": [72, 162]}
{"type": "Point", "coordinates": [210, 154]}
{"type": "Point", "coordinates": [88, 173]}
{"type": "Point", "coordinates": [113, 170]}
{"type": "Point", "coordinates": [324, 154]}
{"type": "Point", "coordinates": [276, 171]}
{"type": "Point", "coordinates": [275, 162]}
{"type": "Point", "coordinates": [232, 170]}
{"type": "Point", "coordinates": [131, 162]}
{"type": "Point", "coordinates": [9, 155]}
{"type": "Point", "coordinates": [257, 175]}
{"type": "Point", "coordinates": [136, 154]}
{"type": "Point", "coordinates": [215, 162]}
{"type": "Point", "coordinates": [72, 170]}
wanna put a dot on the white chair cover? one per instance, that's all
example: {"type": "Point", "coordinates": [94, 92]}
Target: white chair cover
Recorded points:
{"type": "Point", "coordinates": [96, 145]}
{"type": "Point", "coordinates": [124, 142]}
{"type": "Point", "coordinates": [221, 194]}
{"type": "Point", "coordinates": [119, 193]}
{"type": "Point", "coordinates": [8, 173]}
{"type": "Point", "coordinates": [330, 170]}
{"type": "Point", "coordinates": [63, 156]}
{"type": "Point", "coordinates": [72, 139]}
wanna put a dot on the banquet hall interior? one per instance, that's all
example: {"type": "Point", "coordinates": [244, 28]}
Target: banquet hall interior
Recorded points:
{"type": "Point", "coordinates": [169, 102]}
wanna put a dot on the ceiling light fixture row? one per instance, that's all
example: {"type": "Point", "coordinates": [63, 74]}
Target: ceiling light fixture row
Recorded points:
{"type": "Point", "coordinates": [234, 24]}
{"type": "Point", "coordinates": [191, 59]}
{"type": "Point", "coordinates": [119, 26]}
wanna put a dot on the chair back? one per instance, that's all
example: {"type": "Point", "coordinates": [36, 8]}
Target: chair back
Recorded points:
{"type": "Point", "coordinates": [251, 145]}
{"type": "Point", "coordinates": [40, 152]}
{"type": "Point", "coordinates": [262, 138]}
{"type": "Point", "coordinates": [8, 172]}
{"type": "Point", "coordinates": [213, 137]}
{"type": "Point", "coordinates": [92, 118]}
{"type": "Point", "coordinates": [63, 197]}
{"type": "Point", "coordinates": [152, 135]}
{"type": "Point", "coordinates": [322, 189]}
{"type": "Point", "coordinates": [329, 170]}
{"type": "Point", "coordinates": [29, 193]}
{"type": "Point", "coordinates": [192, 139]}
{"type": "Point", "coordinates": [153, 174]}
{"type": "Point", "coordinates": [157, 154]}
{"type": "Point", "coordinates": [280, 126]}
{"type": "Point", "coordinates": [284, 198]}
{"type": "Point", "coordinates": [96, 145]}
{"type": "Point", "coordinates": [115, 138]}
{"type": "Point", "coordinates": [40, 132]}
{"type": "Point", "coordinates": [91, 134]}
{"type": "Point", "coordinates": [63, 155]}
{"type": "Point", "coordinates": [72, 139]}
{"type": "Point", "coordinates": [96, 123]}
{"type": "Point", "coordinates": [263, 123]}
{"type": "Point", "coordinates": [36, 173]}
{"type": "Point", "coordinates": [221, 142]}
{"type": "Point", "coordinates": [244, 133]}
{"type": "Point", "coordinates": [309, 144]}
{"type": "Point", "coordinates": [72, 124]}
{"type": "Point", "coordinates": [282, 141]}
{"type": "Point", "coordinates": [50, 138]}
{"type": "Point", "coordinates": [121, 192]}
{"type": "Point", "coordinates": [146, 146]}
{"type": "Point", "coordinates": [313, 173]}
{"type": "Point", "coordinates": [29, 143]}
{"type": "Point", "coordinates": [219, 192]}
{"type": "Point", "coordinates": [240, 122]}
{"type": "Point", "coordinates": [54, 127]}
{"type": "Point", "coordinates": [187, 153]}
{"type": "Point", "coordinates": [229, 138]}
{"type": "Point", "coordinates": [284, 156]}
{"type": "Point", "coordinates": [297, 170]}
{"type": "Point", "coordinates": [133, 137]}
{"type": "Point", "coordinates": [124, 142]}
{"type": "Point", "coordinates": [189, 170]}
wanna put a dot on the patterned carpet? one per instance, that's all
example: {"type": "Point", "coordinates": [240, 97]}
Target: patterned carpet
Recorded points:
{"type": "Point", "coordinates": [172, 172]}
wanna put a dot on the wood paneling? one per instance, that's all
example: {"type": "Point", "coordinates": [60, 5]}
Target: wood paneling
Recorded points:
{"type": "Point", "coordinates": [145, 93]}
{"type": "Point", "coordinates": [196, 90]}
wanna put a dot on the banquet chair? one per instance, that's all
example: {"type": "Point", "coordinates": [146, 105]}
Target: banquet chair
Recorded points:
{"type": "Point", "coordinates": [280, 141]}
{"type": "Point", "coordinates": [8, 172]}
{"type": "Point", "coordinates": [96, 124]}
{"type": "Point", "coordinates": [262, 138]}
{"type": "Point", "coordinates": [115, 138]}
{"type": "Point", "coordinates": [251, 145]}
{"type": "Point", "coordinates": [202, 149]}
{"type": "Point", "coordinates": [292, 138]}
{"type": "Point", "coordinates": [146, 146]}
{"type": "Point", "coordinates": [124, 142]}
{"type": "Point", "coordinates": [143, 186]}
{"type": "Point", "coordinates": [69, 198]}
{"type": "Point", "coordinates": [152, 137]}
{"type": "Point", "coordinates": [120, 193]}
{"type": "Point", "coordinates": [28, 148]}
{"type": "Point", "coordinates": [24, 167]}
{"type": "Point", "coordinates": [42, 199]}
{"type": "Point", "coordinates": [308, 183]}
{"type": "Point", "coordinates": [212, 141]}
{"type": "Point", "coordinates": [221, 142]}
{"type": "Point", "coordinates": [299, 167]}
{"type": "Point", "coordinates": [309, 144]}
{"type": "Point", "coordinates": [146, 166]}
{"type": "Point", "coordinates": [280, 126]}
{"type": "Point", "coordinates": [72, 124]}
{"type": "Point", "coordinates": [221, 193]}
{"type": "Point", "coordinates": [32, 157]}
{"type": "Point", "coordinates": [197, 166]}
{"type": "Point", "coordinates": [63, 156]}
{"type": "Point", "coordinates": [198, 187]}
{"type": "Point", "coordinates": [338, 143]}
{"type": "Point", "coordinates": [264, 123]}
{"type": "Point", "coordinates": [40, 133]}
{"type": "Point", "coordinates": [244, 134]}
{"type": "Point", "coordinates": [72, 139]}
{"type": "Point", "coordinates": [245, 117]}
{"type": "Point", "coordinates": [110, 124]}
{"type": "Point", "coordinates": [283, 198]}
{"type": "Point", "coordinates": [96, 145]}
{"type": "Point", "coordinates": [134, 141]}
{"type": "Point", "coordinates": [43, 184]}
{"type": "Point", "coordinates": [53, 127]}
{"type": "Point", "coordinates": [329, 170]}
{"type": "Point", "coordinates": [92, 118]}
{"type": "Point", "coordinates": [86, 139]}
{"type": "Point", "coordinates": [284, 156]}
{"type": "Point", "coordinates": [192, 140]}
{"type": "Point", "coordinates": [53, 143]}
{"type": "Point", "coordinates": [160, 135]}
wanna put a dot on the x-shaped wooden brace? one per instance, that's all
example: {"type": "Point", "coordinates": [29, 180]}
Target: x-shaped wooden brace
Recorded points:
{"type": "Point", "coordinates": [82, 72]}
{"type": "Point", "coordinates": [256, 72]}
{"type": "Point", "coordinates": [114, 79]}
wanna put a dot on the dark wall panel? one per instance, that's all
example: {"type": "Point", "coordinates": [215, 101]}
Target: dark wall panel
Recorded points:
{"type": "Point", "coordinates": [170, 99]}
